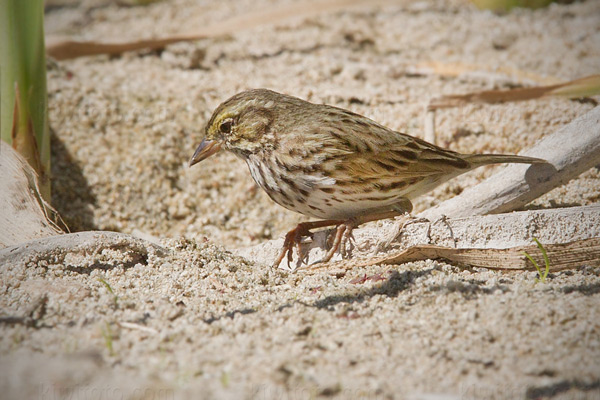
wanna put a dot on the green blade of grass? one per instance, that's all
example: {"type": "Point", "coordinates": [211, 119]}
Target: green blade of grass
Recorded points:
{"type": "Point", "coordinates": [535, 264]}
{"type": "Point", "coordinates": [542, 275]}
{"type": "Point", "coordinates": [506, 5]}
{"type": "Point", "coordinates": [546, 260]}
{"type": "Point", "coordinates": [23, 96]}
{"type": "Point", "coordinates": [110, 289]}
{"type": "Point", "coordinates": [108, 338]}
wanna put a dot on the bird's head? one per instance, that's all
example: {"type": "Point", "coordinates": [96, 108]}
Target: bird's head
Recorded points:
{"type": "Point", "coordinates": [241, 125]}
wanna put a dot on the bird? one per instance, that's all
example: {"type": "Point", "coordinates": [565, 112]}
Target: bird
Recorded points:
{"type": "Point", "coordinates": [328, 163]}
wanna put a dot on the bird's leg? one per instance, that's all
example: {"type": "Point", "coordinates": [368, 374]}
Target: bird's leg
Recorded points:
{"type": "Point", "coordinates": [294, 238]}
{"type": "Point", "coordinates": [347, 244]}
{"type": "Point", "coordinates": [339, 234]}
{"type": "Point", "coordinates": [344, 229]}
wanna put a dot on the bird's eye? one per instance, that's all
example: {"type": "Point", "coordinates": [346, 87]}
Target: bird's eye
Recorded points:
{"type": "Point", "coordinates": [225, 126]}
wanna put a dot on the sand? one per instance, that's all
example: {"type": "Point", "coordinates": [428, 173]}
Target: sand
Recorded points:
{"type": "Point", "coordinates": [200, 322]}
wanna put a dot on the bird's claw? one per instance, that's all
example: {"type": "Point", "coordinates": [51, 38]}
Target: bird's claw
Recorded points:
{"type": "Point", "coordinates": [343, 235]}
{"type": "Point", "coordinates": [293, 239]}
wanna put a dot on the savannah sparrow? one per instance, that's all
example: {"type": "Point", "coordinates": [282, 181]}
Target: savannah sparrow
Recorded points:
{"type": "Point", "coordinates": [329, 163]}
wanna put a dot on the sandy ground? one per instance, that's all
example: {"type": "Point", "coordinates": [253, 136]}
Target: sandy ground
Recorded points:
{"type": "Point", "coordinates": [203, 323]}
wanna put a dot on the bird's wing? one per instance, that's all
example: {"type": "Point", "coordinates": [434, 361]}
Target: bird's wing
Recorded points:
{"type": "Point", "coordinates": [380, 153]}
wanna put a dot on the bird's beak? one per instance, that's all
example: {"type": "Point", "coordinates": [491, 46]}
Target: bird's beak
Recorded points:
{"type": "Point", "coordinates": [206, 149]}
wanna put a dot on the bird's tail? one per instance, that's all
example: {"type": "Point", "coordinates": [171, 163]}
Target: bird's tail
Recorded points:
{"type": "Point", "coordinates": [484, 159]}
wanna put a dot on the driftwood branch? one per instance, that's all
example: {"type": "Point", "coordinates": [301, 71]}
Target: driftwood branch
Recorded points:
{"type": "Point", "coordinates": [571, 237]}
{"type": "Point", "coordinates": [561, 256]}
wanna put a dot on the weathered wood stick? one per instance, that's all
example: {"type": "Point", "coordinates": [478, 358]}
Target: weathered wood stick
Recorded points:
{"type": "Point", "coordinates": [561, 256]}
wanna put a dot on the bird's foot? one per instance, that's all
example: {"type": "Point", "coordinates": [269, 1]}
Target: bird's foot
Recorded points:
{"type": "Point", "coordinates": [293, 239]}
{"type": "Point", "coordinates": [343, 237]}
